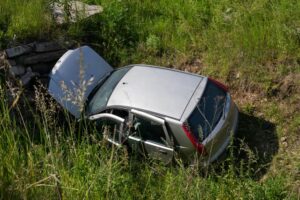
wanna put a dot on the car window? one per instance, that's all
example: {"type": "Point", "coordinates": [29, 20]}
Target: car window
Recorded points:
{"type": "Point", "coordinates": [101, 96]}
{"type": "Point", "coordinates": [149, 130]}
{"type": "Point", "coordinates": [120, 113]}
{"type": "Point", "coordinates": [208, 111]}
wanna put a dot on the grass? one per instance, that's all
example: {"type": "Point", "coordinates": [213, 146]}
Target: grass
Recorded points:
{"type": "Point", "coordinates": [42, 158]}
{"type": "Point", "coordinates": [251, 45]}
{"type": "Point", "coordinates": [23, 20]}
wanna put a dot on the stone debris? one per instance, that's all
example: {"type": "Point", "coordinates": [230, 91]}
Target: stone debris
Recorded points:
{"type": "Point", "coordinates": [73, 11]}
{"type": "Point", "coordinates": [29, 65]}
{"type": "Point", "coordinates": [19, 50]}
{"type": "Point", "coordinates": [47, 46]}
{"type": "Point", "coordinates": [32, 60]}
{"type": "Point", "coordinates": [43, 57]}
{"type": "Point", "coordinates": [17, 70]}
{"type": "Point", "coordinates": [26, 78]}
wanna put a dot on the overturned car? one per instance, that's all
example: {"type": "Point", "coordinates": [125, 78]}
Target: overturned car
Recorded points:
{"type": "Point", "coordinates": [156, 111]}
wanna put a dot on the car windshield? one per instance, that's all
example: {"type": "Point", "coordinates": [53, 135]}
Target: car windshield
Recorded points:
{"type": "Point", "coordinates": [208, 111]}
{"type": "Point", "coordinates": [101, 96]}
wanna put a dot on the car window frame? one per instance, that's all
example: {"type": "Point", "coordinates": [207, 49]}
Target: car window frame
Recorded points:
{"type": "Point", "coordinates": [111, 117]}
{"type": "Point", "coordinates": [158, 120]}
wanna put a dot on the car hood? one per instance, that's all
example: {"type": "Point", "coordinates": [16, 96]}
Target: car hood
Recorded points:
{"type": "Point", "coordinates": [75, 75]}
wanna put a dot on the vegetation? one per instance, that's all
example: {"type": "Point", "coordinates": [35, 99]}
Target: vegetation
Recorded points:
{"type": "Point", "coordinates": [253, 46]}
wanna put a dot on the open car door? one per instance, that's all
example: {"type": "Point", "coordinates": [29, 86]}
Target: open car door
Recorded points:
{"type": "Point", "coordinates": [151, 132]}
{"type": "Point", "coordinates": [112, 127]}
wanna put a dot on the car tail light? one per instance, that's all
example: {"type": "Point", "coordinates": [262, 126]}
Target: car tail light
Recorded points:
{"type": "Point", "coordinates": [220, 85]}
{"type": "Point", "coordinates": [200, 147]}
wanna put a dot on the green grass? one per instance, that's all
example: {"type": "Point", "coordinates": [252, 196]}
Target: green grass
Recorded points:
{"type": "Point", "coordinates": [229, 35]}
{"type": "Point", "coordinates": [24, 20]}
{"type": "Point", "coordinates": [43, 158]}
{"type": "Point", "coordinates": [251, 45]}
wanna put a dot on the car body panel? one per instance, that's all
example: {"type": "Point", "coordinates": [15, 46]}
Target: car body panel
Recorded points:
{"type": "Point", "coordinates": [136, 144]}
{"type": "Point", "coordinates": [158, 151]}
{"type": "Point", "coordinates": [115, 136]}
{"type": "Point", "coordinates": [154, 89]}
{"type": "Point", "coordinates": [183, 146]}
{"type": "Point", "coordinates": [75, 75]}
{"type": "Point", "coordinates": [155, 150]}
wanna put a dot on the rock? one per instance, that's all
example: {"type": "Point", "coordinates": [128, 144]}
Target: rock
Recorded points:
{"type": "Point", "coordinates": [26, 78]}
{"type": "Point", "coordinates": [19, 50]}
{"type": "Point", "coordinates": [47, 46]}
{"type": "Point", "coordinates": [17, 70]}
{"type": "Point", "coordinates": [76, 11]}
{"type": "Point", "coordinates": [43, 57]}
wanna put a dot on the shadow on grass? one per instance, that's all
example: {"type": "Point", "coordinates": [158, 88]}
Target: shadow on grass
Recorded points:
{"type": "Point", "coordinates": [255, 144]}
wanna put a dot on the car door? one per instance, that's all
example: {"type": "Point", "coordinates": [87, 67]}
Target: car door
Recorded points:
{"type": "Point", "coordinates": [111, 126]}
{"type": "Point", "coordinates": [152, 135]}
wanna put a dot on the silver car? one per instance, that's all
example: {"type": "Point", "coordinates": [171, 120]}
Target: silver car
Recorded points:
{"type": "Point", "coordinates": [156, 111]}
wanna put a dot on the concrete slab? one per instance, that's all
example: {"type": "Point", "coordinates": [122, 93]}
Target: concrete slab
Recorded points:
{"type": "Point", "coordinates": [76, 10]}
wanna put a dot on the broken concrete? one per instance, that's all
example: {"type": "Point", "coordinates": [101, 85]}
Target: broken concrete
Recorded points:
{"type": "Point", "coordinates": [43, 57]}
{"type": "Point", "coordinates": [19, 50]}
{"type": "Point", "coordinates": [47, 46]}
{"type": "Point", "coordinates": [26, 78]}
{"type": "Point", "coordinates": [36, 59]}
{"type": "Point", "coordinates": [17, 70]}
{"type": "Point", "coordinates": [73, 11]}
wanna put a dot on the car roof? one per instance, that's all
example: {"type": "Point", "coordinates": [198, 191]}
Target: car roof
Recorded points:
{"type": "Point", "coordinates": [154, 89]}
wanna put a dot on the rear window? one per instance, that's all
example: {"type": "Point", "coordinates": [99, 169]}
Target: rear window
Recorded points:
{"type": "Point", "coordinates": [208, 111]}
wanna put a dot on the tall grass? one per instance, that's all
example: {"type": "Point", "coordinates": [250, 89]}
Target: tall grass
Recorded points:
{"type": "Point", "coordinates": [23, 20]}
{"type": "Point", "coordinates": [43, 158]}
{"type": "Point", "coordinates": [228, 35]}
